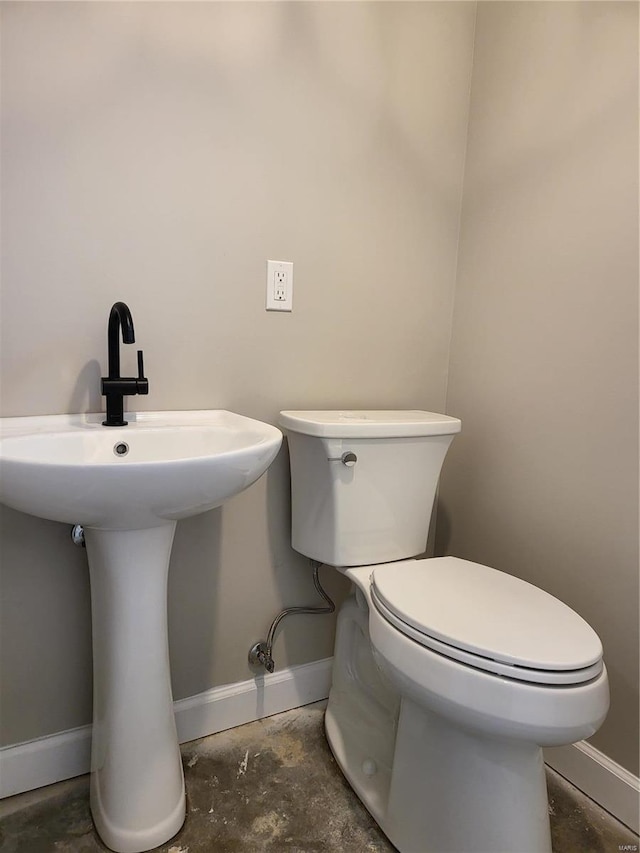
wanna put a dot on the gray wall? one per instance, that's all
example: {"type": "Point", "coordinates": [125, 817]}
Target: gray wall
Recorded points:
{"type": "Point", "coordinates": [543, 480]}
{"type": "Point", "coordinates": [159, 153]}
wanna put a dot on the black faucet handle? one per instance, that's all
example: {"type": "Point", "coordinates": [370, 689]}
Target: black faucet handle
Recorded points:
{"type": "Point", "coordinates": [142, 384]}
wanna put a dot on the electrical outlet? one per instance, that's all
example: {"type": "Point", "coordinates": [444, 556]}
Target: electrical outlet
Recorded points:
{"type": "Point", "coordinates": [279, 286]}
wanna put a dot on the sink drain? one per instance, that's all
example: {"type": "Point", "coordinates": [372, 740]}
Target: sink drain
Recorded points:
{"type": "Point", "coordinates": [121, 448]}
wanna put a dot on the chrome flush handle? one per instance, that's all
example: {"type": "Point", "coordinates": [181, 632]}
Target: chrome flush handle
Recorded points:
{"type": "Point", "coordinates": [349, 459]}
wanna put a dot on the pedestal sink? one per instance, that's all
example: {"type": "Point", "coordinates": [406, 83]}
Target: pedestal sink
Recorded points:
{"type": "Point", "coordinates": [127, 487]}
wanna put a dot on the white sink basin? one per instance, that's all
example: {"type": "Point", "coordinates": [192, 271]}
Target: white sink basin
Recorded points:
{"type": "Point", "coordinates": [163, 466]}
{"type": "Point", "coordinates": [128, 486]}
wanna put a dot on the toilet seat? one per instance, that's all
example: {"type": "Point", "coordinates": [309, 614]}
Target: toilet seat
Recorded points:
{"type": "Point", "coordinates": [487, 619]}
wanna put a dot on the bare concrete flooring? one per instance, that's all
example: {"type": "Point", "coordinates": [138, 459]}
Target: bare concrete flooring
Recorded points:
{"type": "Point", "coordinates": [268, 787]}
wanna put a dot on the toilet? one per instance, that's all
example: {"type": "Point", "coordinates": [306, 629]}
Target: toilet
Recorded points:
{"type": "Point", "coordinates": [449, 677]}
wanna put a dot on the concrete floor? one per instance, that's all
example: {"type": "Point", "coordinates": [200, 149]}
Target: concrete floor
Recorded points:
{"type": "Point", "coordinates": [270, 787]}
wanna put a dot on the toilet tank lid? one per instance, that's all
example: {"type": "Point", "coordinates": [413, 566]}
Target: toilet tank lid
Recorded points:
{"type": "Point", "coordinates": [347, 423]}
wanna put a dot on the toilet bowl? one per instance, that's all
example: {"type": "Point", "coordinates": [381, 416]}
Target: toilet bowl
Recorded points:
{"type": "Point", "coordinates": [449, 677]}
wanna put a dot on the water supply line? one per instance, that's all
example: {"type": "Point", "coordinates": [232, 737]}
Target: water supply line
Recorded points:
{"type": "Point", "coordinates": [262, 653]}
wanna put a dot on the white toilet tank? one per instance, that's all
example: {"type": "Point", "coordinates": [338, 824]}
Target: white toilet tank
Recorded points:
{"type": "Point", "coordinates": [363, 483]}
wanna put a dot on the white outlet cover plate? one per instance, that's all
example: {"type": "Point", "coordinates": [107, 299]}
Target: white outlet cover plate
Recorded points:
{"type": "Point", "coordinates": [279, 286]}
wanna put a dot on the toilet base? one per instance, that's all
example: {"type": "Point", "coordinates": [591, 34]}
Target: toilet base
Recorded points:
{"type": "Point", "coordinates": [432, 786]}
{"type": "Point", "coordinates": [362, 712]}
{"type": "Point", "coordinates": [454, 791]}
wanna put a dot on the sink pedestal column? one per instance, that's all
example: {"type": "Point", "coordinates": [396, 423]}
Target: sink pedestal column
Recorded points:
{"type": "Point", "coordinates": [137, 783]}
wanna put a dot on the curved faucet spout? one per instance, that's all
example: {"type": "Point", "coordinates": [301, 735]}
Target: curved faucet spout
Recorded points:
{"type": "Point", "coordinates": [119, 317]}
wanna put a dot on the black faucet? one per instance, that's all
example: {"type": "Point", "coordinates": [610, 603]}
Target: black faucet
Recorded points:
{"type": "Point", "coordinates": [116, 387]}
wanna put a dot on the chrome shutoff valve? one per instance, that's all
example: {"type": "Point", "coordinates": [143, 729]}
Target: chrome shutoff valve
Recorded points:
{"type": "Point", "coordinates": [259, 656]}
{"type": "Point", "coordinates": [77, 535]}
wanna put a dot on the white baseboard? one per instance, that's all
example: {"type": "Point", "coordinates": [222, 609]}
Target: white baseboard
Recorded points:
{"type": "Point", "coordinates": [235, 704]}
{"type": "Point", "coordinates": [40, 762]}
{"type": "Point", "coordinates": [600, 778]}
{"type": "Point", "coordinates": [49, 759]}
